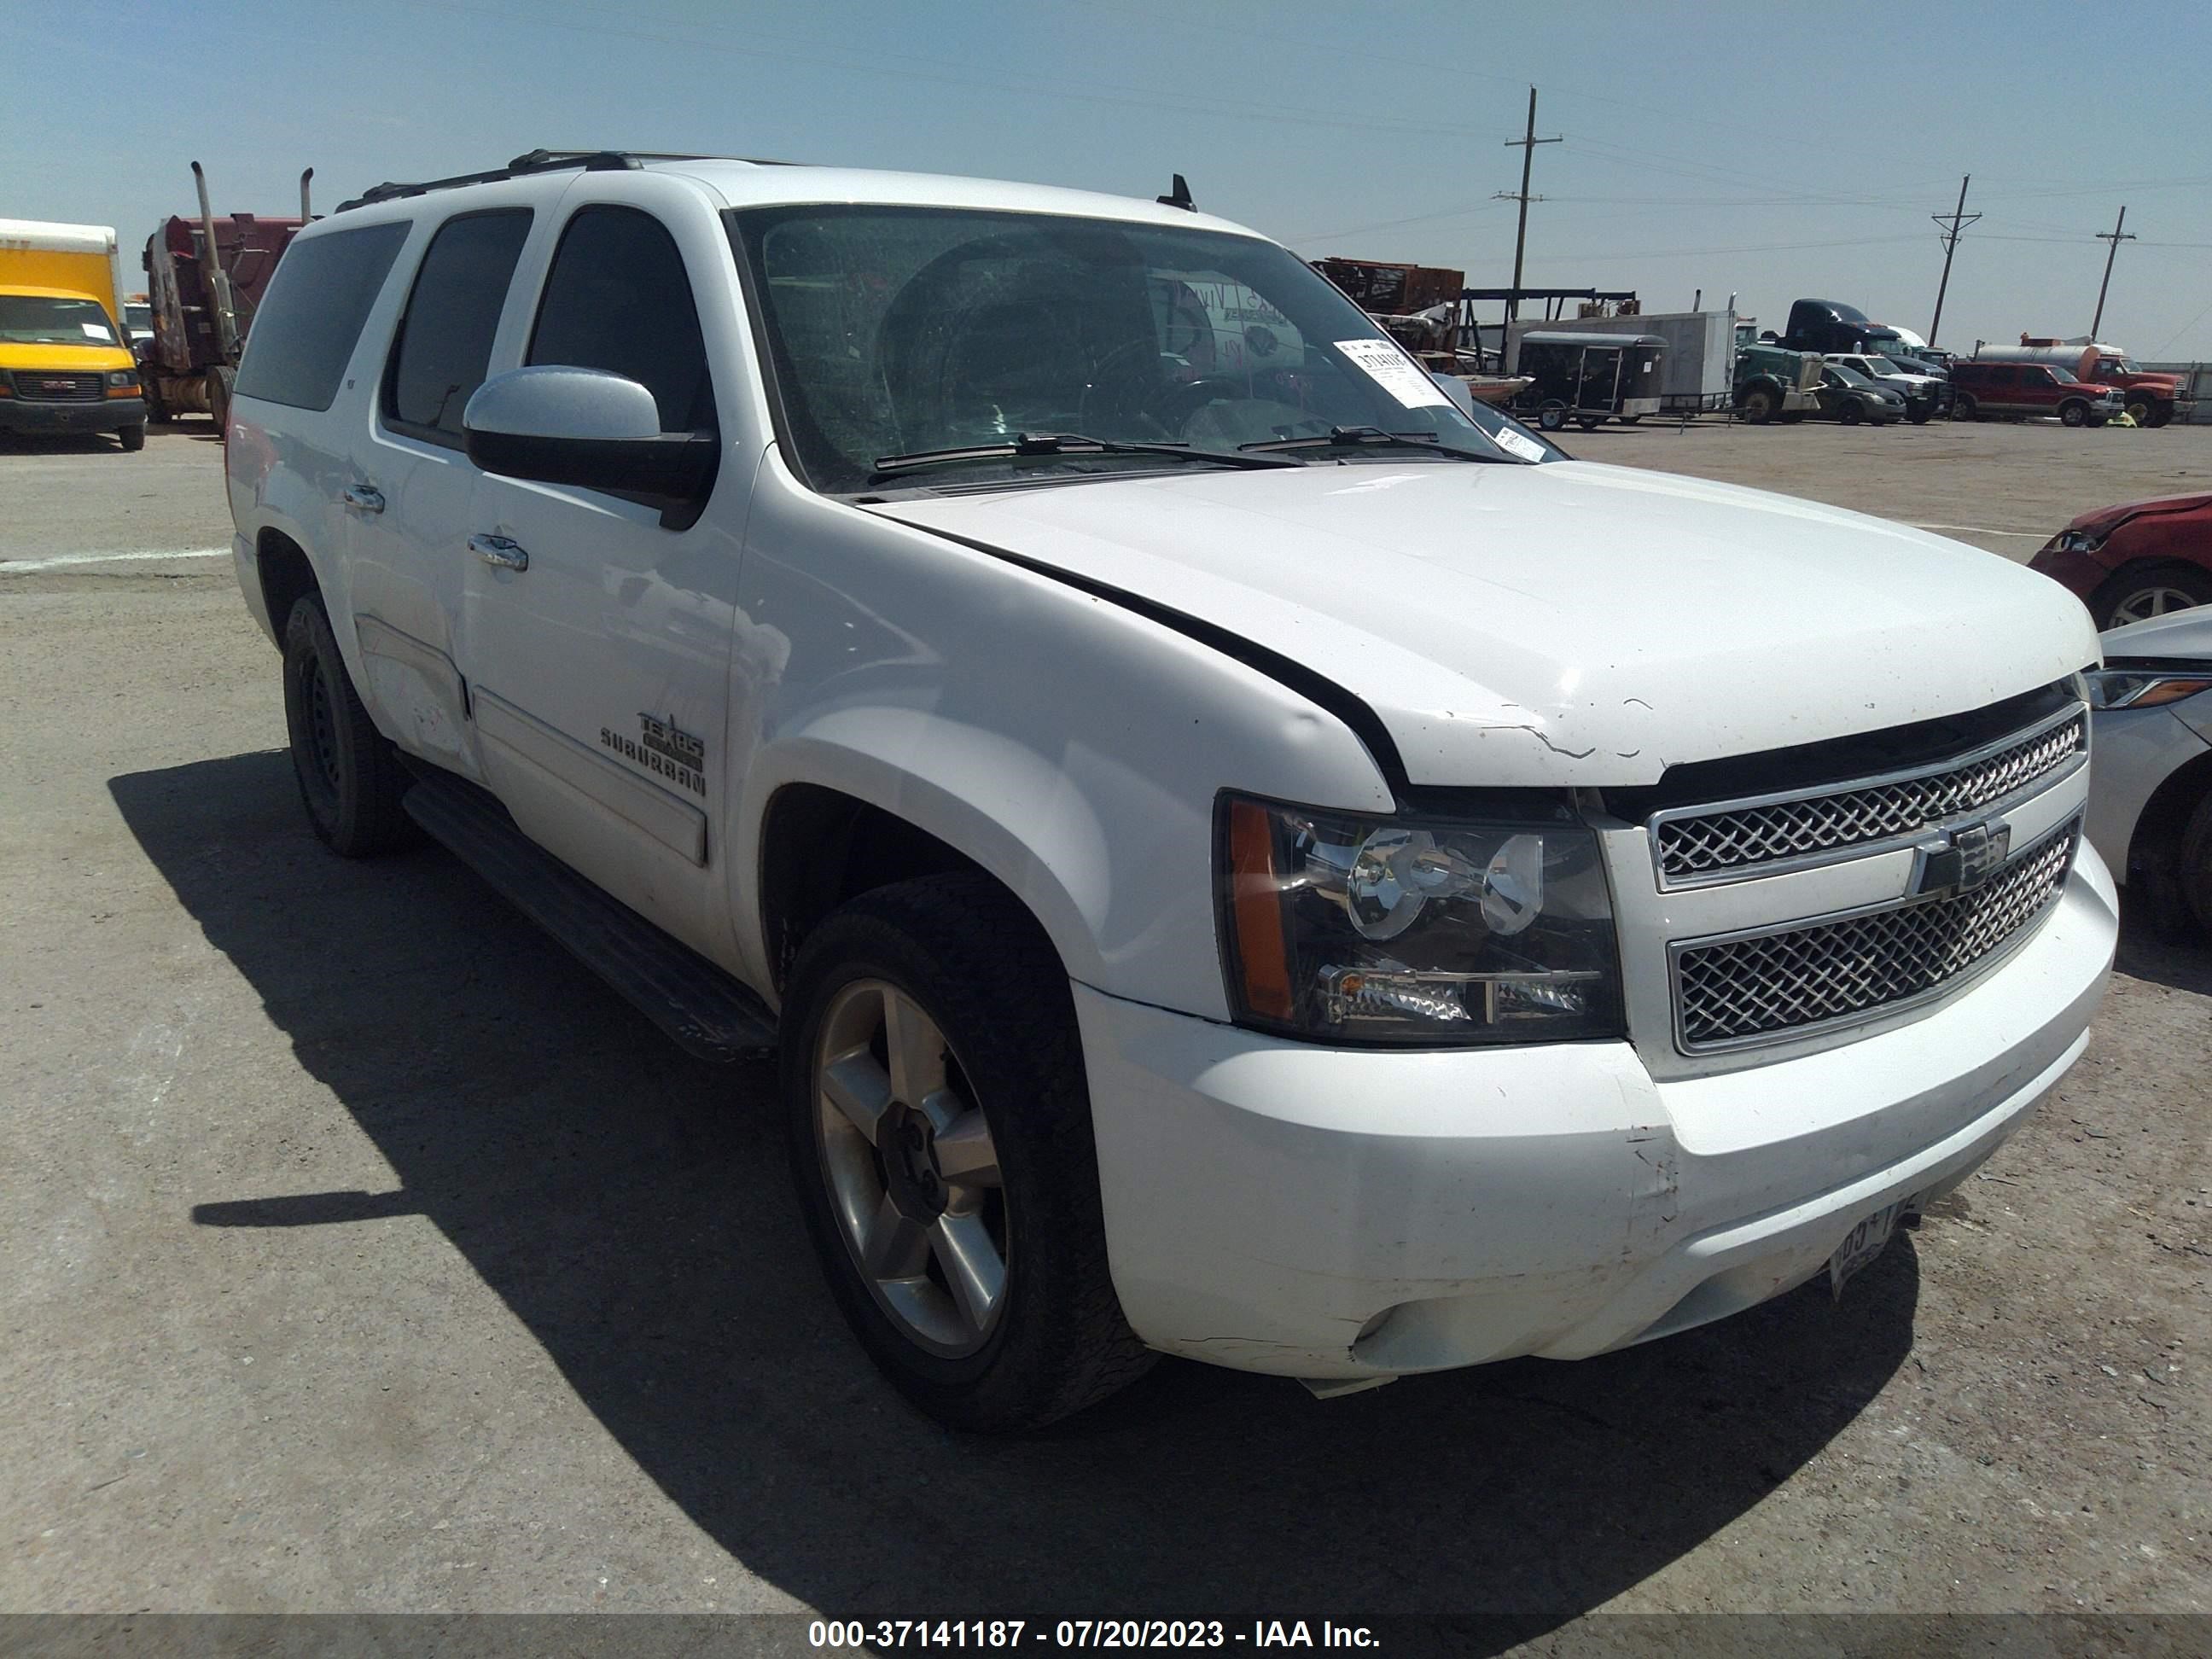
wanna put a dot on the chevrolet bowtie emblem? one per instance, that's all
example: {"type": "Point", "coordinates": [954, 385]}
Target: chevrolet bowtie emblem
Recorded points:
{"type": "Point", "coordinates": [1962, 858]}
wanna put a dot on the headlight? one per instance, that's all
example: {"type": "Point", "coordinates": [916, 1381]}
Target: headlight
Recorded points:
{"type": "Point", "coordinates": [2143, 688]}
{"type": "Point", "coordinates": [1418, 930]}
{"type": "Point", "coordinates": [2075, 541]}
{"type": "Point", "coordinates": [122, 377]}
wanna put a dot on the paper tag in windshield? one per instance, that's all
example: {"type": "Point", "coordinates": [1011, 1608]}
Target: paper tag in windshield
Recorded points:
{"type": "Point", "coordinates": [1518, 443]}
{"type": "Point", "coordinates": [1390, 368]}
{"type": "Point", "coordinates": [95, 331]}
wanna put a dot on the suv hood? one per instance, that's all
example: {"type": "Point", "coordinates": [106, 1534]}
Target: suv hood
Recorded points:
{"type": "Point", "coordinates": [1557, 624]}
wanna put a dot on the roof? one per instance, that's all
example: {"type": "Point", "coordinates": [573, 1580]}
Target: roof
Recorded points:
{"type": "Point", "coordinates": [56, 239]}
{"type": "Point", "coordinates": [742, 183]}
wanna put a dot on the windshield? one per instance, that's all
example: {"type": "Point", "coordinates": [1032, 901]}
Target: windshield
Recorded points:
{"type": "Point", "coordinates": [897, 331]}
{"type": "Point", "coordinates": [1848, 375]}
{"type": "Point", "coordinates": [2059, 374]}
{"type": "Point", "coordinates": [1891, 365]}
{"type": "Point", "coordinates": [44, 319]}
{"type": "Point", "coordinates": [2124, 365]}
{"type": "Point", "coordinates": [136, 316]}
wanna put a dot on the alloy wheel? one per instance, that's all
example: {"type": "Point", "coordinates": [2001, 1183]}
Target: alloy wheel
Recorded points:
{"type": "Point", "coordinates": [2154, 601]}
{"type": "Point", "coordinates": [912, 1174]}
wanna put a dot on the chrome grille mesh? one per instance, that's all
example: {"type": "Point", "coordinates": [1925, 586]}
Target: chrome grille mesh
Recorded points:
{"type": "Point", "coordinates": [1706, 843]}
{"type": "Point", "coordinates": [37, 385]}
{"type": "Point", "coordinates": [1742, 989]}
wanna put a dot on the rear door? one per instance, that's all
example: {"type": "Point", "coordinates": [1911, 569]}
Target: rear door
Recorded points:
{"type": "Point", "coordinates": [596, 630]}
{"type": "Point", "coordinates": [410, 489]}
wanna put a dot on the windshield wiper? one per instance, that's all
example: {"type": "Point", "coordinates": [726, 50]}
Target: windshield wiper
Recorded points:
{"type": "Point", "coordinates": [1067, 443]}
{"type": "Point", "coordinates": [1343, 437]}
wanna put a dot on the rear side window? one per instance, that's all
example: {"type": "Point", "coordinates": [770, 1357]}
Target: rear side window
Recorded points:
{"type": "Point", "coordinates": [617, 298]}
{"type": "Point", "coordinates": [444, 343]}
{"type": "Point", "coordinates": [303, 336]}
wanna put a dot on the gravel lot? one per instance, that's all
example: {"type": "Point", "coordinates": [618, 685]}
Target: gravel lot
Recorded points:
{"type": "Point", "coordinates": [366, 1255]}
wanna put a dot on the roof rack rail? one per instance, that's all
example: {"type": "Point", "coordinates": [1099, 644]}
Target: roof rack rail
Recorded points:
{"type": "Point", "coordinates": [540, 160]}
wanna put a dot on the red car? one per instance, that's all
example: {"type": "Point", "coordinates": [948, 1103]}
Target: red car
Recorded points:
{"type": "Point", "coordinates": [2129, 563]}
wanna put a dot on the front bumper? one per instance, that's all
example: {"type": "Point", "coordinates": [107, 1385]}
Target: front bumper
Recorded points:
{"type": "Point", "coordinates": [24, 414]}
{"type": "Point", "coordinates": [1343, 1214]}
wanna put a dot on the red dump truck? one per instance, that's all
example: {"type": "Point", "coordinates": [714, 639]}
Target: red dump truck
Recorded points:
{"type": "Point", "coordinates": [205, 280]}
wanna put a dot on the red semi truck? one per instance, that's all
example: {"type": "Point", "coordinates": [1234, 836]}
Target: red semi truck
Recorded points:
{"type": "Point", "coordinates": [204, 281]}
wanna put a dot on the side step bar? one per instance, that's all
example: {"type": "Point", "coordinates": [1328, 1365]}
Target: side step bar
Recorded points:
{"type": "Point", "coordinates": [708, 1013]}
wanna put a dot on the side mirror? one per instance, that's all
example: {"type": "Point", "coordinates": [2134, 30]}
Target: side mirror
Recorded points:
{"type": "Point", "coordinates": [587, 428]}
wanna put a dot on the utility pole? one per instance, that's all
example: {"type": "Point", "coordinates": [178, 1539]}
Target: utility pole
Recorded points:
{"type": "Point", "coordinates": [1952, 223]}
{"type": "Point", "coordinates": [1527, 145]}
{"type": "Point", "coordinates": [2115, 238]}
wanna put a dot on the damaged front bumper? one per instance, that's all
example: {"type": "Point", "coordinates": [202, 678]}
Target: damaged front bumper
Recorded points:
{"type": "Point", "coordinates": [1344, 1214]}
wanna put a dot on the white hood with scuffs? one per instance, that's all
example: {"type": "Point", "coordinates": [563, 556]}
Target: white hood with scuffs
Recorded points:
{"type": "Point", "coordinates": [1561, 624]}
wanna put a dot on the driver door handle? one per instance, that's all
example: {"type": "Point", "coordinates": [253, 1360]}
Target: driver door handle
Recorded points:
{"type": "Point", "coordinates": [363, 498]}
{"type": "Point", "coordinates": [499, 550]}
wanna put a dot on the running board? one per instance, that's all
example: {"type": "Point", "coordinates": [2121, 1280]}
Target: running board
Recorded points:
{"type": "Point", "coordinates": [704, 1010]}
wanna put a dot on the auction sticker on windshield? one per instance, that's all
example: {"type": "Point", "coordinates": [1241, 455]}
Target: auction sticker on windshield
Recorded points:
{"type": "Point", "coordinates": [1518, 443]}
{"type": "Point", "coordinates": [1392, 370]}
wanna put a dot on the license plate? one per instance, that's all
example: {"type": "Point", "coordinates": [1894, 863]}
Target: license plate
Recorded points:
{"type": "Point", "coordinates": [1867, 1241]}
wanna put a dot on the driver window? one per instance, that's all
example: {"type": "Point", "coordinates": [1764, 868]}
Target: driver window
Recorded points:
{"type": "Point", "coordinates": [617, 299]}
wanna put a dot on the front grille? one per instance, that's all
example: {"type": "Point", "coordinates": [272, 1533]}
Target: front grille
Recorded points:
{"type": "Point", "coordinates": [1703, 844]}
{"type": "Point", "coordinates": [1739, 989]}
{"type": "Point", "coordinates": [33, 386]}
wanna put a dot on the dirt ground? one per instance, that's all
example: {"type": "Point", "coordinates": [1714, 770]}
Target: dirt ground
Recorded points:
{"type": "Point", "coordinates": [364, 1253]}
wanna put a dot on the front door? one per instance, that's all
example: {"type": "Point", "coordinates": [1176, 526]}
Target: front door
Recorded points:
{"type": "Point", "coordinates": [597, 629]}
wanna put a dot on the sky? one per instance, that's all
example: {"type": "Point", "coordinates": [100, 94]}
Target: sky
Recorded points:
{"type": "Point", "coordinates": [1771, 151]}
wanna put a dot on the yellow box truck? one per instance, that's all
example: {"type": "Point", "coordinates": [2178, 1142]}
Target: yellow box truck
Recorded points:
{"type": "Point", "coordinates": [65, 363]}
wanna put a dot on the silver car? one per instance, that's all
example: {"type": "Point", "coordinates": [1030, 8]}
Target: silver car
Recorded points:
{"type": "Point", "coordinates": [2150, 803]}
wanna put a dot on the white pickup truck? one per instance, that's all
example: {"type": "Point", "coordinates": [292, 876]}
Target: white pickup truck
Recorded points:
{"type": "Point", "coordinates": [1242, 857]}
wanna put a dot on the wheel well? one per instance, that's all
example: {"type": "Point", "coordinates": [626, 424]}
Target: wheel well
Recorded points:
{"type": "Point", "coordinates": [820, 848]}
{"type": "Point", "coordinates": [286, 578]}
{"type": "Point", "coordinates": [2158, 829]}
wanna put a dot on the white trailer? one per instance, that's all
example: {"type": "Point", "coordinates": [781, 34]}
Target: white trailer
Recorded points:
{"type": "Point", "coordinates": [1698, 372]}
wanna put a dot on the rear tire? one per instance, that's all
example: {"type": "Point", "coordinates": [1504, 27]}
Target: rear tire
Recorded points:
{"type": "Point", "coordinates": [1590, 423]}
{"type": "Point", "coordinates": [1552, 416]}
{"type": "Point", "coordinates": [218, 396]}
{"type": "Point", "coordinates": [2074, 412]}
{"type": "Point", "coordinates": [994, 1063]}
{"type": "Point", "coordinates": [350, 778]}
{"type": "Point", "coordinates": [133, 437]}
{"type": "Point", "coordinates": [2141, 592]}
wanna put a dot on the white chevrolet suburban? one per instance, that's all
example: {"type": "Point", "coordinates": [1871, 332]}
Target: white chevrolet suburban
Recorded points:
{"type": "Point", "coordinates": [1242, 856]}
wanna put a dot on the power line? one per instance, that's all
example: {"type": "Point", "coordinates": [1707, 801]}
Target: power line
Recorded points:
{"type": "Point", "coordinates": [1960, 220]}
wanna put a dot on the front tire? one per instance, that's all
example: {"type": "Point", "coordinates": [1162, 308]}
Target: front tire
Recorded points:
{"type": "Point", "coordinates": [1590, 423]}
{"type": "Point", "coordinates": [350, 778]}
{"type": "Point", "coordinates": [1922, 416]}
{"type": "Point", "coordinates": [2143, 590]}
{"type": "Point", "coordinates": [940, 1138]}
{"type": "Point", "coordinates": [2074, 412]}
{"type": "Point", "coordinates": [1964, 408]}
{"type": "Point", "coordinates": [1552, 416]}
{"type": "Point", "coordinates": [1850, 414]}
{"type": "Point", "coordinates": [2142, 411]}
{"type": "Point", "coordinates": [1760, 405]}
{"type": "Point", "coordinates": [2194, 875]}
{"type": "Point", "coordinates": [132, 437]}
